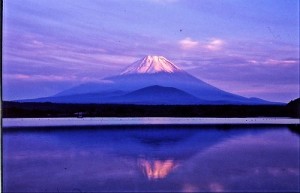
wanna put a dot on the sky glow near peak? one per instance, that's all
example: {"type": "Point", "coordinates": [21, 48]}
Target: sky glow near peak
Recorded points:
{"type": "Point", "coordinates": [250, 48]}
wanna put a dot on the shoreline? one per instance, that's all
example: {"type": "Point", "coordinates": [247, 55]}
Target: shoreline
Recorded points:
{"type": "Point", "coordinates": [114, 121]}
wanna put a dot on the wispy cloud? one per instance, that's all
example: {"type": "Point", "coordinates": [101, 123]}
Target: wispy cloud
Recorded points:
{"type": "Point", "coordinates": [187, 43]}
{"type": "Point", "coordinates": [47, 78]}
{"type": "Point", "coordinates": [284, 63]}
{"type": "Point", "coordinates": [275, 62]}
{"type": "Point", "coordinates": [214, 44]}
{"type": "Point", "coordinates": [52, 78]}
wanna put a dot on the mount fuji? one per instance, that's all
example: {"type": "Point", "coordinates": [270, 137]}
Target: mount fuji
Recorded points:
{"type": "Point", "coordinates": [151, 80]}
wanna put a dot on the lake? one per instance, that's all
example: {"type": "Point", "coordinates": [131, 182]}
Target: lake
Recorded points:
{"type": "Point", "coordinates": [151, 158]}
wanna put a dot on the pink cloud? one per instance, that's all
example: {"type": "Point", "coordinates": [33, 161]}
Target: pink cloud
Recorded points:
{"type": "Point", "coordinates": [214, 44]}
{"type": "Point", "coordinates": [50, 78]}
{"type": "Point", "coordinates": [187, 43]}
{"type": "Point", "coordinates": [53, 78]}
{"type": "Point", "coordinates": [274, 62]}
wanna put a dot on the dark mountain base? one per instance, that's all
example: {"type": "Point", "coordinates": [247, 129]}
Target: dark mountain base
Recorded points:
{"type": "Point", "coordinates": [23, 110]}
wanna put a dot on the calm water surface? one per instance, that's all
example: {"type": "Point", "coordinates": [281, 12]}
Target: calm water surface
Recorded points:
{"type": "Point", "coordinates": [91, 159]}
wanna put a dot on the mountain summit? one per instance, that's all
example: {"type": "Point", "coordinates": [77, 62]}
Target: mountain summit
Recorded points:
{"type": "Point", "coordinates": [151, 64]}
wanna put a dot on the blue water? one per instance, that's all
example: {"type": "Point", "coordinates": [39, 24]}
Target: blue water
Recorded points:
{"type": "Point", "coordinates": [204, 158]}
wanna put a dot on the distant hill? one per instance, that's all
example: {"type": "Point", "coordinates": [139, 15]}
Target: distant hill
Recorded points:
{"type": "Point", "coordinates": [294, 107]}
{"type": "Point", "coordinates": [295, 103]}
{"type": "Point", "coordinates": [159, 95]}
{"type": "Point", "coordinates": [30, 109]}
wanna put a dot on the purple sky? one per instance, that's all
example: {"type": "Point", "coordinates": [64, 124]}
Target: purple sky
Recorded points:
{"type": "Point", "coordinates": [247, 47]}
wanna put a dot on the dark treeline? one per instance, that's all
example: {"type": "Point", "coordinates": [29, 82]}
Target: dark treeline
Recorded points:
{"type": "Point", "coordinates": [23, 110]}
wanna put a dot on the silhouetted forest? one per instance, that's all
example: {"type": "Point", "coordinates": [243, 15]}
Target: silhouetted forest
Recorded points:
{"type": "Point", "coordinates": [22, 110]}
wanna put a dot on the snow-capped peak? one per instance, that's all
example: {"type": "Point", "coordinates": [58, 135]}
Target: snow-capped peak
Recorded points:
{"type": "Point", "coordinates": [151, 64]}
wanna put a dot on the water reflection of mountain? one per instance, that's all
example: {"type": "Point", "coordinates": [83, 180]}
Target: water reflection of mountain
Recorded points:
{"type": "Point", "coordinates": [162, 143]}
{"type": "Point", "coordinates": [157, 151]}
{"type": "Point", "coordinates": [152, 142]}
{"type": "Point", "coordinates": [152, 159]}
